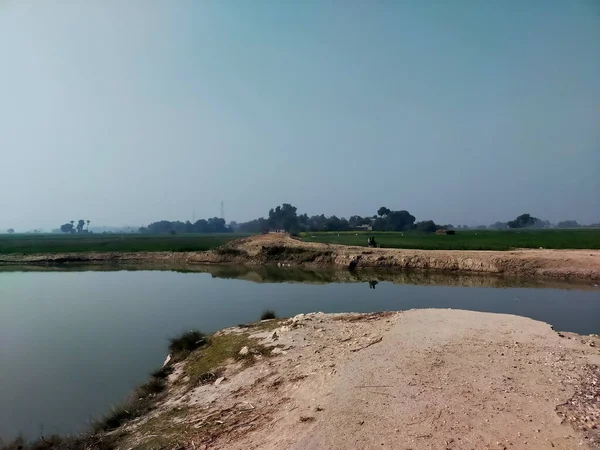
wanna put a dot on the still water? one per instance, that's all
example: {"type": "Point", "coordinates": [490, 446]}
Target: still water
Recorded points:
{"type": "Point", "coordinates": [74, 343]}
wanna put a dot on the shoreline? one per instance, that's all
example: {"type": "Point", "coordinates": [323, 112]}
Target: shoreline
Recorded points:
{"type": "Point", "coordinates": [420, 378]}
{"type": "Point", "coordinates": [283, 251]}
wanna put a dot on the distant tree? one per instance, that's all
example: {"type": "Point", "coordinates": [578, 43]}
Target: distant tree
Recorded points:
{"type": "Point", "coordinates": [523, 221]}
{"type": "Point", "coordinates": [499, 225]}
{"type": "Point", "coordinates": [568, 224]}
{"type": "Point", "coordinates": [357, 221]}
{"type": "Point", "coordinates": [67, 227]}
{"type": "Point", "coordinates": [283, 217]}
{"type": "Point", "coordinates": [212, 225]}
{"type": "Point", "coordinates": [80, 225]}
{"type": "Point", "coordinates": [394, 221]}
{"type": "Point", "coordinates": [426, 226]}
{"type": "Point", "coordinates": [88, 225]}
{"type": "Point", "coordinates": [142, 230]}
{"type": "Point", "coordinates": [10, 231]}
{"type": "Point", "coordinates": [383, 211]}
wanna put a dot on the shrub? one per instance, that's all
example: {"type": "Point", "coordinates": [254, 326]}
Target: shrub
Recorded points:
{"type": "Point", "coordinates": [116, 417]}
{"type": "Point", "coordinates": [163, 372]}
{"type": "Point", "coordinates": [187, 342]}
{"type": "Point", "coordinates": [268, 314]}
{"type": "Point", "coordinates": [154, 386]}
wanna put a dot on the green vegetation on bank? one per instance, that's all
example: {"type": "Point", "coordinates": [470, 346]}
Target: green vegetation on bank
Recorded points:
{"type": "Point", "coordinates": [77, 243]}
{"type": "Point", "coordinates": [588, 238]}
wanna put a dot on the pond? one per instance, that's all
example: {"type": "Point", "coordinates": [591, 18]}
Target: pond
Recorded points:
{"type": "Point", "coordinates": [75, 342]}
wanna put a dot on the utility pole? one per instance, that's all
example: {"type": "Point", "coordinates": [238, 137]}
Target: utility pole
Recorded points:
{"type": "Point", "coordinates": [222, 209]}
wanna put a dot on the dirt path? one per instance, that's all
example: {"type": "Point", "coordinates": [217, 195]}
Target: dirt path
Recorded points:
{"type": "Point", "coordinates": [281, 250]}
{"type": "Point", "coordinates": [420, 379]}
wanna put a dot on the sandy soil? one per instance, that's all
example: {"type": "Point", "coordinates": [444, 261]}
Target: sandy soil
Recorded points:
{"type": "Point", "coordinates": [281, 250]}
{"type": "Point", "coordinates": [419, 379]}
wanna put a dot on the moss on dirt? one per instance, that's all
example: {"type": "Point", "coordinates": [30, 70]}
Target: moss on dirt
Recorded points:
{"type": "Point", "coordinates": [267, 325]}
{"type": "Point", "coordinates": [207, 363]}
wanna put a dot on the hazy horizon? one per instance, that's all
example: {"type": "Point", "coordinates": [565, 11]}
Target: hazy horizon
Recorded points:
{"type": "Point", "coordinates": [126, 113]}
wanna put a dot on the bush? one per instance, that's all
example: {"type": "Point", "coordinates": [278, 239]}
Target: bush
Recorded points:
{"type": "Point", "coordinates": [116, 417]}
{"type": "Point", "coordinates": [187, 342]}
{"type": "Point", "coordinates": [268, 314]}
{"type": "Point", "coordinates": [163, 372]}
{"type": "Point", "coordinates": [154, 386]}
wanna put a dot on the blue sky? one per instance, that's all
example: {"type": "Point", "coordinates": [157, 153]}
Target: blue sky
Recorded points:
{"type": "Point", "coordinates": [460, 112]}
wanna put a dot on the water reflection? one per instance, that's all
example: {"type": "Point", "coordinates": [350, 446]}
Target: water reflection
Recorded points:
{"type": "Point", "coordinates": [271, 274]}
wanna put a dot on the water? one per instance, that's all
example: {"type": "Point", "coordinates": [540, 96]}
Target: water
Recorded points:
{"type": "Point", "coordinates": [73, 343]}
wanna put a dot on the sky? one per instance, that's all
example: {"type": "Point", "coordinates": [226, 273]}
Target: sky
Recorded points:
{"type": "Point", "coordinates": [464, 112]}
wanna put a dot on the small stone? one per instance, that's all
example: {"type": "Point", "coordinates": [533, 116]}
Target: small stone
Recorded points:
{"type": "Point", "coordinates": [218, 381]}
{"type": "Point", "coordinates": [274, 336]}
{"type": "Point", "coordinates": [244, 351]}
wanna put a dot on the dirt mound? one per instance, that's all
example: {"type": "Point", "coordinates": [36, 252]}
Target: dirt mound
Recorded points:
{"type": "Point", "coordinates": [417, 379]}
{"type": "Point", "coordinates": [284, 250]}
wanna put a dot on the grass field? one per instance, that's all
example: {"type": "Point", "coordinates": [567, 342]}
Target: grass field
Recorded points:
{"type": "Point", "coordinates": [62, 243]}
{"type": "Point", "coordinates": [469, 239]}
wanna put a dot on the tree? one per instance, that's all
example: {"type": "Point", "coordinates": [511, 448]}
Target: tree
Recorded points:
{"type": "Point", "coordinates": [426, 226]}
{"type": "Point", "coordinates": [499, 225]}
{"type": "Point", "coordinates": [10, 231]}
{"type": "Point", "coordinates": [67, 227]}
{"type": "Point", "coordinates": [88, 225]}
{"type": "Point", "coordinates": [524, 221]}
{"type": "Point", "coordinates": [383, 211]}
{"type": "Point", "coordinates": [284, 217]}
{"type": "Point", "coordinates": [394, 221]}
{"type": "Point", "coordinates": [568, 224]}
{"type": "Point", "coordinates": [80, 225]}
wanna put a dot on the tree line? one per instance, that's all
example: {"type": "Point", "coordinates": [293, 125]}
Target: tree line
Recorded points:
{"type": "Point", "coordinates": [212, 225]}
{"type": "Point", "coordinates": [70, 227]}
{"type": "Point", "coordinates": [286, 218]}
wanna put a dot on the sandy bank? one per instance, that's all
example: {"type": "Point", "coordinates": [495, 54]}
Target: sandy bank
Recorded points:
{"type": "Point", "coordinates": [445, 379]}
{"type": "Point", "coordinates": [284, 251]}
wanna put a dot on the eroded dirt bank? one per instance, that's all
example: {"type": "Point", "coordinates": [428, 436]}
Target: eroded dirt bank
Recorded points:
{"type": "Point", "coordinates": [277, 249]}
{"type": "Point", "coordinates": [419, 379]}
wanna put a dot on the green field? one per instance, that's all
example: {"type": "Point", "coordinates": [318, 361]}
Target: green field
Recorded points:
{"type": "Point", "coordinates": [63, 243]}
{"type": "Point", "coordinates": [468, 239]}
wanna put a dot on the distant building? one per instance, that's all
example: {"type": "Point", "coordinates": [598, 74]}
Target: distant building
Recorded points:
{"type": "Point", "coordinates": [365, 227]}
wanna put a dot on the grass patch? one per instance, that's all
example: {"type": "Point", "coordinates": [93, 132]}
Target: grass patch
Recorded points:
{"type": "Point", "coordinates": [187, 342]}
{"type": "Point", "coordinates": [587, 238]}
{"type": "Point", "coordinates": [268, 314]}
{"type": "Point", "coordinates": [206, 365]}
{"type": "Point", "coordinates": [66, 243]}
{"type": "Point", "coordinates": [117, 416]}
{"type": "Point", "coordinates": [162, 431]}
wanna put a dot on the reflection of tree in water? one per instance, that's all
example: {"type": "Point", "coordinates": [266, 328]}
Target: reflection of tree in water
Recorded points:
{"type": "Point", "coordinates": [372, 284]}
